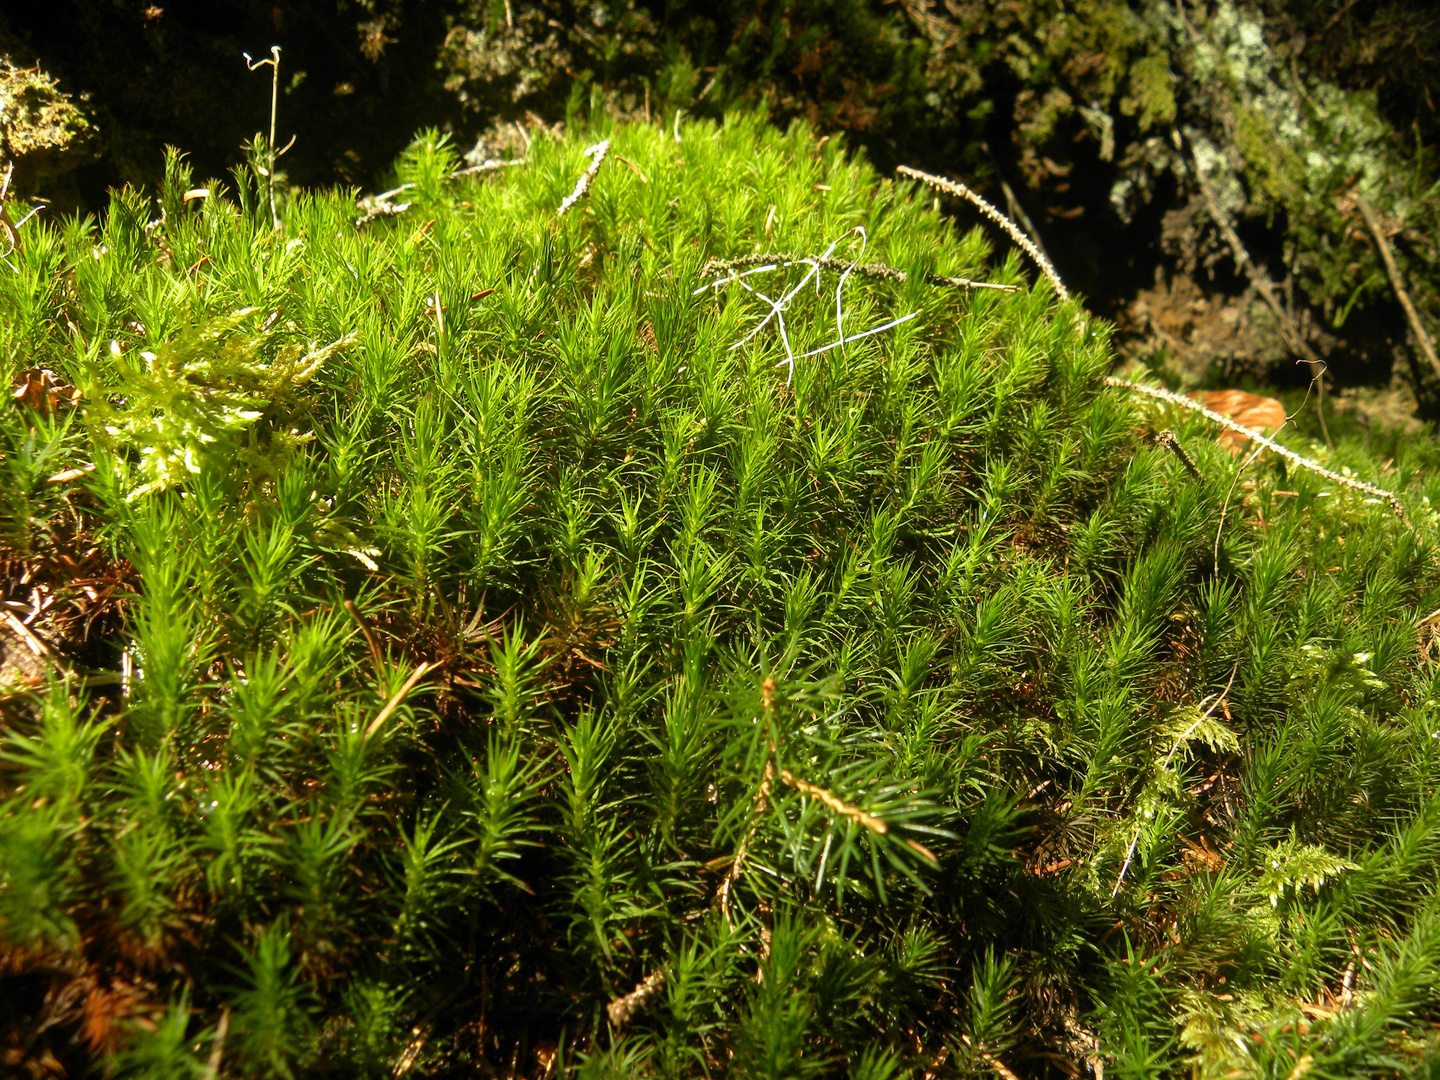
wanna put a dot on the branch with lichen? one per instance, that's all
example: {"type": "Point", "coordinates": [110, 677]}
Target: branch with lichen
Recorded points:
{"type": "Point", "coordinates": [1285, 452]}
{"type": "Point", "coordinates": [596, 154]}
{"type": "Point", "coordinates": [960, 191]}
{"type": "Point", "coordinates": [623, 1008]}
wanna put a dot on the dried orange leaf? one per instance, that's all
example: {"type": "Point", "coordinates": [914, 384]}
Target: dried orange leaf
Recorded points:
{"type": "Point", "coordinates": [1263, 414]}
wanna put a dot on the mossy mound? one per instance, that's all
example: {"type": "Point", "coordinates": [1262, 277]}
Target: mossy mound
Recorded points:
{"type": "Point", "coordinates": [476, 647]}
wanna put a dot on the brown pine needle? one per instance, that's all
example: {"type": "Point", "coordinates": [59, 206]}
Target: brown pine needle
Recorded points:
{"type": "Point", "coordinates": [376, 656]}
{"type": "Point", "coordinates": [399, 696]}
{"type": "Point", "coordinates": [633, 168]}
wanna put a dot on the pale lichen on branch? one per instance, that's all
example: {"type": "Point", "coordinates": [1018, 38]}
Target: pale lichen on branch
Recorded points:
{"type": "Point", "coordinates": [596, 154]}
{"type": "Point", "coordinates": [960, 191]}
{"type": "Point", "coordinates": [1267, 443]}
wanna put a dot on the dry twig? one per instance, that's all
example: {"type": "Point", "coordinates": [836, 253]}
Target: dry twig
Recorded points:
{"type": "Point", "coordinates": [876, 271]}
{"type": "Point", "coordinates": [378, 206]}
{"type": "Point", "coordinates": [1171, 441]}
{"type": "Point", "coordinates": [780, 306]}
{"type": "Point", "coordinates": [1388, 256]}
{"type": "Point", "coordinates": [959, 190]}
{"type": "Point", "coordinates": [1267, 443]}
{"type": "Point", "coordinates": [1289, 330]}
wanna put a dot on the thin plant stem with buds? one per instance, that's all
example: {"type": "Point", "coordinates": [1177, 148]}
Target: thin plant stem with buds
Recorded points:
{"type": "Point", "coordinates": [271, 153]}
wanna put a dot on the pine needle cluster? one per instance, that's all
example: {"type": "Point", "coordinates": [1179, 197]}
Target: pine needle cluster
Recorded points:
{"type": "Point", "coordinates": [503, 675]}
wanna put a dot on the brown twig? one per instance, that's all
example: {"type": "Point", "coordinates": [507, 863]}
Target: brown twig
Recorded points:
{"type": "Point", "coordinates": [376, 656]}
{"type": "Point", "coordinates": [1171, 441]}
{"type": "Point", "coordinates": [1269, 444]}
{"type": "Point", "coordinates": [1012, 202]}
{"type": "Point", "coordinates": [1289, 330]}
{"type": "Point", "coordinates": [1252, 270]}
{"type": "Point", "coordinates": [959, 190]}
{"type": "Point", "coordinates": [1397, 283]}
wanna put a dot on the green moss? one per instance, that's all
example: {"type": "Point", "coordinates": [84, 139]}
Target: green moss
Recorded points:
{"type": "Point", "coordinates": [1273, 171]}
{"type": "Point", "coordinates": [1152, 92]}
{"type": "Point", "coordinates": [694, 716]}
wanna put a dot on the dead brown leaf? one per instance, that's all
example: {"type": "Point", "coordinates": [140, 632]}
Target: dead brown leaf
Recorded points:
{"type": "Point", "coordinates": [41, 389]}
{"type": "Point", "coordinates": [1263, 414]}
